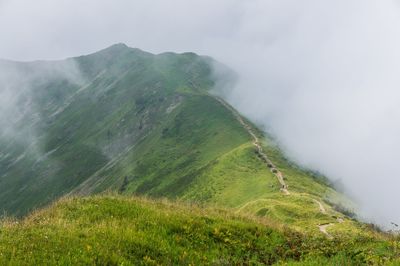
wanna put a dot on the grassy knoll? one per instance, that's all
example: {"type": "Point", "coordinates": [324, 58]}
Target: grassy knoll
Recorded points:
{"type": "Point", "coordinates": [115, 230]}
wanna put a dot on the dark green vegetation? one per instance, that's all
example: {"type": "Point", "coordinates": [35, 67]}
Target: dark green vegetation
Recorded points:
{"type": "Point", "coordinates": [134, 123]}
{"type": "Point", "coordinates": [131, 231]}
{"type": "Point", "coordinates": [83, 121]}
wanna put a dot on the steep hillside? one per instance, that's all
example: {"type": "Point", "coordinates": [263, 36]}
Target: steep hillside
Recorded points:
{"type": "Point", "coordinates": [115, 230]}
{"type": "Point", "coordinates": [79, 115]}
{"type": "Point", "coordinates": [129, 121]}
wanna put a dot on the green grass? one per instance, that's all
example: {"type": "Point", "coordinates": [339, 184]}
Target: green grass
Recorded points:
{"type": "Point", "coordinates": [235, 178]}
{"type": "Point", "coordinates": [172, 156]}
{"type": "Point", "coordinates": [115, 230]}
{"type": "Point", "coordinates": [123, 96]}
{"type": "Point", "coordinates": [145, 125]}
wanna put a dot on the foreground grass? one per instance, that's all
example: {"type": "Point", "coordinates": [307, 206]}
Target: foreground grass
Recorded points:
{"type": "Point", "coordinates": [114, 230]}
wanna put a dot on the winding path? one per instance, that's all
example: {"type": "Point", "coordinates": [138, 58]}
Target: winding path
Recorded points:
{"type": "Point", "coordinates": [323, 227]}
{"type": "Point", "coordinates": [321, 207]}
{"type": "Point", "coordinates": [272, 167]}
{"type": "Point", "coordinates": [257, 144]}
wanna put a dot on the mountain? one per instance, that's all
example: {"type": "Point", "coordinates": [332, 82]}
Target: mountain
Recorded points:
{"type": "Point", "coordinates": [98, 138]}
{"type": "Point", "coordinates": [134, 123]}
{"type": "Point", "coordinates": [69, 119]}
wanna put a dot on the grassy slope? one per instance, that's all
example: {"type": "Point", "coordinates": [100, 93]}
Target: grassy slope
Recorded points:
{"type": "Point", "coordinates": [144, 124]}
{"type": "Point", "coordinates": [123, 95]}
{"type": "Point", "coordinates": [158, 133]}
{"type": "Point", "coordinates": [196, 133]}
{"type": "Point", "coordinates": [111, 230]}
{"type": "Point", "coordinates": [200, 153]}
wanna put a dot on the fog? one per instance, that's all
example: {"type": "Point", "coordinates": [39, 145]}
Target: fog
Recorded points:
{"type": "Point", "coordinates": [19, 110]}
{"type": "Point", "coordinates": [321, 76]}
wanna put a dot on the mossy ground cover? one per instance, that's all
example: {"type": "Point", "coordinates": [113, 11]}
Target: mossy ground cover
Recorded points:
{"type": "Point", "coordinates": [116, 230]}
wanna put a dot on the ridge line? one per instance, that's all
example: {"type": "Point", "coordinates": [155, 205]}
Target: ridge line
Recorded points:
{"type": "Point", "coordinates": [256, 143]}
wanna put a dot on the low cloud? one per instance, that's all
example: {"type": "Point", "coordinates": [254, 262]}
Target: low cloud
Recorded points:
{"type": "Point", "coordinates": [20, 85]}
{"type": "Point", "coordinates": [325, 83]}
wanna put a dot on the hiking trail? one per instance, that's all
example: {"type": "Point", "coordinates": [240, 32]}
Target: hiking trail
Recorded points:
{"type": "Point", "coordinates": [272, 167]}
{"type": "Point", "coordinates": [257, 144]}
{"type": "Point", "coordinates": [323, 227]}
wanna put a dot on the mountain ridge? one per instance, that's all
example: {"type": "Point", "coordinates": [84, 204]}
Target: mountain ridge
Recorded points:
{"type": "Point", "coordinates": [147, 124]}
{"type": "Point", "coordinates": [125, 137]}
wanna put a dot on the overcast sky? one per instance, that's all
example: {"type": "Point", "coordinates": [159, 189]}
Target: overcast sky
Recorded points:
{"type": "Point", "coordinates": [321, 75]}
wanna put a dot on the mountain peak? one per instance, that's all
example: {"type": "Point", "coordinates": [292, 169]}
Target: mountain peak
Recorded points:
{"type": "Point", "coordinates": [118, 49]}
{"type": "Point", "coordinates": [118, 46]}
{"type": "Point", "coordinates": [115, 48]}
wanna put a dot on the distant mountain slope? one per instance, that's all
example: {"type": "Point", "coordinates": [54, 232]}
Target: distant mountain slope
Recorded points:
{"type": "Point", "coordinates": [77, 115]}
{"type": "Point", "coordinates": [129, 121]}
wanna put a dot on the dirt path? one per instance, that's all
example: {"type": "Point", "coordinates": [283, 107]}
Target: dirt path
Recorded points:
{"type": "Point", "coordinates": [322, 228]}
{"type": "Point", "coordinates": [273, 169]}
{"type": "Point", "coordinates": [321, 207]}
{"type": "Point", "coordinates": [257, 144]}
